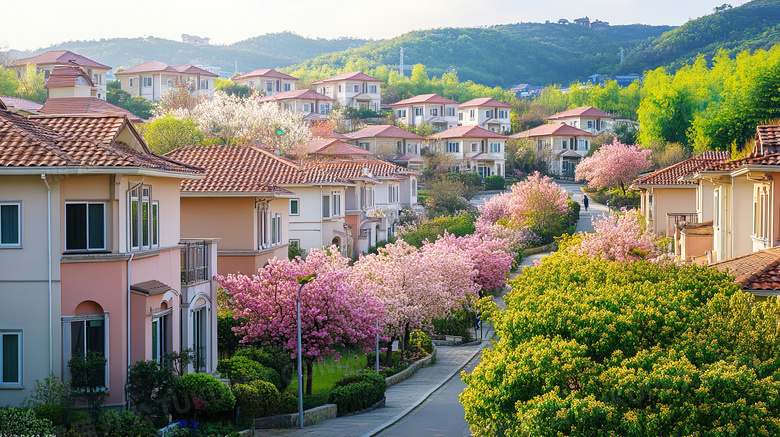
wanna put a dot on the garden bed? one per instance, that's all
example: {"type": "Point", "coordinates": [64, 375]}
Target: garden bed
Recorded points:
{"type": "Point", "coordinates": [411, 370]}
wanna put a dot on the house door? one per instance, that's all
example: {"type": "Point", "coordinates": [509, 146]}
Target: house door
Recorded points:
{"type": "Point", "coordinates": [484, 171]}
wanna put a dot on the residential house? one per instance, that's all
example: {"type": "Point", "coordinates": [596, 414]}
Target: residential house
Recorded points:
{"type": "Point", "coordinates": [70, 81]}
{"type": "Point", "coordinates": [486, 113]}
{"type": "Point", "coordinates": [560, 145]}
{"type": "Point", "coordinates": [90, 255]}
{"type": "Point", "coordinates": [267, 81]}
{"type": "Point", "coordinates": [587, 118]}
{"type": "Point", "coordinates": [390, 143]}
{"type": "Point", "coordinates": [472, 148]}
{"type": "Point", "coordinates": [151, 79]}
{"type": "Point", "coordinates": [757, 272]}
{"type": "Point", "coordinates": [440, 112]}
{"type": "Point", "coordinates": [48, 60]}
{"type": "Point", "coordinates": [239, 202]}
{"type": "Point", "coordinates": [313, 105]}
{"type": "Point", "coordinates": [354, 89]}
{"type": "Point", "coordinates": [85, 105]}
{"type": "Point", "coordinates": [20, 106]}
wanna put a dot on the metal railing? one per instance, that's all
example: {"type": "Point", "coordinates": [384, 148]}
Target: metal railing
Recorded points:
{"type": "Point", "coordinates": [194, 261]}
{"type": "Point", "coordinates": [674, 219]}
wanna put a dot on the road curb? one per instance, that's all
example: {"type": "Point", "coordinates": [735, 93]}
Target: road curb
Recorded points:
{"type": "Point", "coordinates": [427, 394]}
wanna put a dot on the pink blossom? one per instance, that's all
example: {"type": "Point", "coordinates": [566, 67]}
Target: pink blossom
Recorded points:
{"type": "Point", "coordinates": [619, 237]}
{"type": "Point", "coordinates": [536, 202]}
{"type": "Point", "coordinates": [613, 165]}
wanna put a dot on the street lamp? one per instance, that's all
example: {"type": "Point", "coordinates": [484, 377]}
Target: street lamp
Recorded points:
{"type": "Point", "coordinates": [302, 280]}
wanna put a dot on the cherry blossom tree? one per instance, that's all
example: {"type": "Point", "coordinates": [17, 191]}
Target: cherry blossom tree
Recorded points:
{"type": "Point", "coordinates": [333, 313]}
{"type": "Point", "coordinates": [491, 256]}
{"type": "Point", "coordinates": [537, 202]}
{"type": "Point", "coordinates": [614, 165]}
{"type": "Point", "coordinates": [619, 237]}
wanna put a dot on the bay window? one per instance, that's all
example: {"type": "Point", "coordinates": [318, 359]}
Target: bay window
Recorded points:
{"type": "Point", "coordinates": [144, 219]}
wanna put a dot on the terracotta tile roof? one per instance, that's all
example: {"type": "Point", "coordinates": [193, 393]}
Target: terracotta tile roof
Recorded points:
{"type": "Point", "coordinates": [61, 57]}
{"type": "Point", "coordinates": [383, 131]}
{"type": "Point", "coordinates": [770, 159]}
{"type": "Point", "coordinates": [582, 111]}
{"type": "Point", "coordinates": [465, 132]}
{"type": "Point", "coordinates": [363, 96]}
{"type": "Point", "coordinates": [85, 105]}
{"type": "Point", "coordinates": [552, 129]}
{"type": "Point", "coordinates": [424, 98]}
{"type": "Point", "coordinates": [237, 169]}
{"type": "Point", "coordinates": [148, 67]}
{"type": "Point", "coordinates": [755, 271]}
{"type": "Point", "coordinates": [21, 104]}
{"type": "Point", "coordinates": [65, 76]}
{"type": "Point", "coordinates": [74, 141]}
{"type": "Point", "coordinates": [265, 72]}
{"type": "Point", "coordinates": [768, 139]}
{"type": "Point", "coordinates": [191, 69]}
{"type": "Point", "coordinates": [671, 175]}
{"type": "Point", "coordinates": [346, 171]}
{"type": "Point", "coordinates": [352, 75]}
{"type": "Point", "coordinates": [150, 288]}
{"type": "Point", "coordinates": [333, 147]}
{"type": "Point", "coordinates": [304, 94]}
{"type": "Point", "coordinates": [485, 101]}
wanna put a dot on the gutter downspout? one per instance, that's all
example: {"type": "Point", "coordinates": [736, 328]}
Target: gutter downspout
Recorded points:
{"type": "Point", "coordinates": [129, 260]}
{"type": "Point", "coordinates": [48, 235]}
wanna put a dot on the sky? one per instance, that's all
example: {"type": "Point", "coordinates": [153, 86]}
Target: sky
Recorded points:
{"type": "Point", "coordinates": [229, 21]}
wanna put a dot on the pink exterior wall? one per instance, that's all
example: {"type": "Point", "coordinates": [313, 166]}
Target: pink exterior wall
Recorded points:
{"type": "Point", "coordinates": [232, 219]}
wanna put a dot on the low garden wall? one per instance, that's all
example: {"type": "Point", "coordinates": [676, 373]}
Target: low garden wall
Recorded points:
{"type": "Point", "coordinates": [546, 248]}
{"type": "Point", "coordinates": [312, 416]}
{"type": "Point", "coordinates": [411, 370]}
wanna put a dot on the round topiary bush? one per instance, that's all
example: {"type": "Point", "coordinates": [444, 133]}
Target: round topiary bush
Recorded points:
{"type": "Point", "coordinates": [198, 393]}
{"type": "Point", "coordinates": [357, 392]}
{"type": "Point", "coordinates": [256, 399]}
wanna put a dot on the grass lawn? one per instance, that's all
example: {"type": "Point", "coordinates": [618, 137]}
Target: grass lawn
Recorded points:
{"type": "Point", "coordinates": [327, 372]}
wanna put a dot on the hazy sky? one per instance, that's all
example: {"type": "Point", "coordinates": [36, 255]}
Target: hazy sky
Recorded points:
{"type": "Point", "coordinates": [32, 25]}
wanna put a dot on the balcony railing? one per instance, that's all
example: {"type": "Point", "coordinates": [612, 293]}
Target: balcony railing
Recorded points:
{"type": "Point", "coordinates": [194, 261]}
{"type": "Point", "coordinates": [674, 219]}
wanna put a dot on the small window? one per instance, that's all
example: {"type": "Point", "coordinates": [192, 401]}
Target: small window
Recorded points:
{"type": "Point", "coordinates": [474, 147]}
{"type": "Point", "coordinates": [372, 89]}
{"type": "Point", "coordinates": [357, 88]}
{"type": "Point", "coordinates": [10, 225]}
{"type": "Point", "coordinates": [131, 82]}
{"type": "Point", "coordinates": [495, 147]}
{"type": "Point", "coordinates": [269, 86]}
{"type": "Point", "coordinates": [144, 218]}
{"type": "Point", "coordinates": [325, 206]}
{"type": "Point", "coordinates": [10, 359]}
{"type": "Point", "coordinates": [363, 145]}
{"type": "Point", "coordinates": [453, 147]}
{"type": "Point", "coordinates": [336, 203]}
{"type": "Point", "coordinates": [418, 111]}
{"type": "Point", "coordinates": [204, 84]}
{"type": "Point", "coordinates": [85, 226]}
{"type": "Point", "coordinates": [471, 114]}
{"type": "Point", "coordinates": [401, 113]}
{"type": "Point", "coordinates": [339, 88]}
{"type": "Point", "coordinates": [287, 87]}
{"type": "Point", "coordinates": [147, 82]}
{"type": "Point", "coordinates": [590, 124]}
{"type": "Point", "coordinates": [460, 116]}
{"type": "Point", "coordinates": [294, 207]}
{"type": "Point", "coordinates": [450, 112]}
{"type": "Point", "coordinates": [170, 83]}
{"type": "Point", "coordinates": [434, 112]}
{"type": "Point", "coordinates": [306, 107]}
{"type": "Point", "coordinates": [488, 114]}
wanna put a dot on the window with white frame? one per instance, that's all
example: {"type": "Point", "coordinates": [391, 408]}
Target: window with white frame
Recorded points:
{"type": "Point", "coordinates": [87, 333]}
{"type": "Point", "coordinates": [399, 147]}
{"type": "Point", "coordinates": [471, 114]}
{"type": "Point", "coordinates": [294, 205]}
{"type": "Point", "coordinates": [288, 87]}
{"type": "Point", "coordinates": [372, 89]}
{"type": "Point", "coordinates": [418, 111]}
{"type": "Point", "coordinates": [85, 226]}
{"type": "Point", "coordinates": [453, 147]}
{"type": "Point", "coordinates": [503, 114]}
{"type": "Point", "coordinates": [276, 229]}
{"type": "Point", "coordinates": [474, 147]}
{"type": "Point", "coordinates": [434, 112]}
{"type": "Point", "coordinates": [199, 343]}
{"type": "Point", "coordinates": [10, 224]}
{"type": "Point", "coordinates": [401, 113]}
{"type": "Point", "coordinates": [450, 111]}
{"type": "Point", "coordinates": [288, 107]}
{"type": "Point", "coordinates": [363, 145]}
{"type": "Point", "coordinates": [336, 203]}
{"type": "Point", "coordinates": [489, 114]}
{"type": "Point", "coordinates": [583, 144]}
{"type": "Point", "coordinates": [366, 197]}
{"type": "Point", "coordinates": [356, 88]}
{"type": "Point", "coordinates": [269, 86]}
{"type": "Point", "coordinates": [761, 212]}
{"type": "Point", "coordinates": [564, 144]}
{"type": "Point", "coordinates": [306, 107]}
{"type": "Point", "coordinates": [204, 84]}
{"type": "Point", "coordinates": [144, 218]}
{"type": "Point", "coordinates": [161, 336]}
{"type": "Point", "coordinates": [325, 206]}
{"type": "Point", "coordinates": [10, 359]}
{"type": "Point", "coordinates": [590, 124]}
{"type": "Point", "coordinates": [131, 82]}
{"type": "Point", "coordinates": [324, 108]}
{"type": "Point", "coordinates": [460, 116]}
{"type": "Point", "coordinates": [147, 81]}
{"type": "Point", "coordinates": [495, 147]}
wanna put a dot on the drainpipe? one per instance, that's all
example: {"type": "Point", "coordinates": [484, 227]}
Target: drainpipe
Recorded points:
{"type": "Point", "coordinates": [127, 368]}
{"type": "Point", "coordinates": [48, 242]}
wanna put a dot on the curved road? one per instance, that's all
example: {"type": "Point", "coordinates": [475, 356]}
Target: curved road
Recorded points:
{"type": "Point", "coordinates": [442, 414]}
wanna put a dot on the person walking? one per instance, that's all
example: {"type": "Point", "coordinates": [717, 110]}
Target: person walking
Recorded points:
{"type": "Point", "coordinates": [585, 201]}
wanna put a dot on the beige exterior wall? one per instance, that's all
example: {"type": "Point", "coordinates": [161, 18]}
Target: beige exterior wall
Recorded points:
{"type": "Point", "coordinates": [671, 200]}
{"type": "Point", "coordinates": [742, 218]}
{"type": "Point", "coordinates": [499, 124]}
{"type": "Point", "coordinates": [309, 227]}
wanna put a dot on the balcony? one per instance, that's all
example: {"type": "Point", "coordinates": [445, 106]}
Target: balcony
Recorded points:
{"type": "Point", "coordinates": [674, 219]}
{"type": "Point", "coordinates": [194, 261]}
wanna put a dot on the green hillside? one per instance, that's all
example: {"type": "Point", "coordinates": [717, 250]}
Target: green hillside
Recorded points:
{"type": "Point", "coordinates": [754, 25]}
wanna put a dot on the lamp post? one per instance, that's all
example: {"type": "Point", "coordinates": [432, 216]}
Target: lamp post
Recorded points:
{"type": "Point", "coordinates": [302, 280]}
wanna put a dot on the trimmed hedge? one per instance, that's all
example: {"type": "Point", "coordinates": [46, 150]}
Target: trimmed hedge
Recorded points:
{"type": "Point", "coordinates": [272, 357]}
{"type": "Point", "coordinates": [495, 182]}
{"type": "Point", "coordinates": [256, 399]}
{"type": "Point", "coordinates": [241, 370]}
{"type": "Point", "coordinates": [216, 396]}
{"type": "Point", "coordinates": [357, 392]}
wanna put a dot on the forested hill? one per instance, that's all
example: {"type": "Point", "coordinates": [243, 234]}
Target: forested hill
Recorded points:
{"type": "Point", "coordinates": [275, 50]}
{"type": "Point", "coordinates": [754, 25]}
{"type": "Point", "coordinates": [496, 56]}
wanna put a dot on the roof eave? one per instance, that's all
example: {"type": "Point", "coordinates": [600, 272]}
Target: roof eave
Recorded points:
{"type": "Point", "coordinates": [62, 170]}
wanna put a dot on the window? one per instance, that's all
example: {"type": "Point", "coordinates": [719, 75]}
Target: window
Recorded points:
{"type": "Point", "coordinates": [412, 148]}
{"type": "Point", "coordinates": [399, 147]}
{"type": "Point", "coordinates": [96, 79]}
{"type": "Point", "coordinates": [324, 108]}
{"type": "Point", "coordinates": [418, 111]}
{"type": "Point", "coordinates": [325, 206]}
{"type": "Point", "coordinates": [144, 218]}
{"type": "Point", "coordinates": [366, 197]}
{"type": "Point", "coordinates": [503, 114]}
{"type": "Point", "coordinates": [269, 86]}
{"type": "Point", "coordinates": [590, 124]}
{"type": "Point", "coordinates": [199, 344]}
{"type": "Point", "coordinates": [306, 107]}
{"type": "Point", "coordinates": [204, 84]}
{"type": "Point", "coordinates": [356, 88]}
{"type": "Point", "coordinates": [10, 225]}
{"type": "Point", "coordinates": [453, 147]}
{"type": "Point", "coordinates": [288, 107]}
{"type": "Point", "coordinates": [450, 112]}
{"type": "Point", "coordinates": [170, 83]}
{"type": "Point", "coordinates": [460, 116]}
{"type": "Point", "coordinates": [276, 229]}
{"type": "Point", "coordinates": [87, 333]}
{"type": "Point", "coordinates": [474, 147]}
{"type": "Point", "coordinates": [471, 114]}
{"type": "Point", "coordinates": [288, 87]}
{"type": "Point", "coordinates": [147, 82]}
{"type": "Point", "coordinates": [401, 113]}
{"type": "Point", "coordinates": [363, 145]}
{"type": "Point", "coordinates": [434, 111]}
{"type": "Point", "coordinates": [372, 89]}
{"type": "Point", "coordinates": [495, 147]}
{"type": "Point", "coordinates": [161, 336]}
{"type": "Point", "coordinates": [564, 144]}
{"type": "Point", "coordinates": [85, 226]}
{"type": "Point", "coordinates": [761, 213]}
{"type": "Point", "coordinates": [414, 187]}
{"type": "Point", "coordinates": [336, 203]}
{"type": "Point", "coordinates": [294, 204]}
{"type": "Point", "coordinates": [574, 123]}
{"type": "Point", "coordinates": [10, 359]}
{"type": "Point", "coordinates": [489, 114]}
{"type": "Point", "coordinates": [131, 82]}
{"type": "Point", "coordinates": [339, 88]}
{"type": "Point", "coordinates": [583, 144]}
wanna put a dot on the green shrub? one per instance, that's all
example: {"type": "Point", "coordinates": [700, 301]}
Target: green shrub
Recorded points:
{"type": "Point", "coordinates": [274, 358]}
{"type": "Point", "coordinates": [380, 244]}
{"type": "Point", "coordinates": [357, 392]}
{"type": "Point", "coordinates": [124, 424]}
{"type": "Point", "coordinates": [149, 389]}
{"type": "Point", "coordinates": [256, 399]}
{"type": "Point", "coordinates": [295, 250]}
{"type": "Point", "coordinates": [22, 421]}
{"type": "Point", "coordinates": [220, 429]}
{"type": "Point", "coordinates": [419, 341]}
{"type": "Point", "coordinates": [460, 322]}
{"type": "Point", "coordinates": [459, 225]}
{"type": "Point", "coordinates": [288, 403]}
{"type": "Point", "coordinates": [227, 340]}
{"type": "Point", "coordinates": [56, 413]}
{"type": "Point", "coordinates": [215, 395]}
{"type": "Point", "coordinates": [495, 182]}
{"type": "Point", "coordinates": [240, 370]}
{"type": "Point", "coordinates": [630, 200]}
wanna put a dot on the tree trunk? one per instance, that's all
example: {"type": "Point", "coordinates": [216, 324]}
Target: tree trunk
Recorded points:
{"type": "Point", "coordinates": [309, 375]}
{"type": "Point", "coordinates": [389, 353]}
{"type": "Point", "coordinates": [405, 342]}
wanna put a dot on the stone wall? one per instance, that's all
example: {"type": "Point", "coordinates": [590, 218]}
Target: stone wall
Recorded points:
{"type": "Point", "coordinates": [310, 417]}
{"type": "Point", "coordinates": [411, 370]}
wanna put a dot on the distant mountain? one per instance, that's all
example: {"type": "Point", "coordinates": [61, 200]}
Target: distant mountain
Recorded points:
{"type": "Point", "coordinates": [267, 51]}
{"type": "Point", "coordinates": [754, 25]}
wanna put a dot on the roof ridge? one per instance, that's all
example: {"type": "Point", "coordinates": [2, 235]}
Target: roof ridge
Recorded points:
{"type": "Point", "coordinates": [49, 144]}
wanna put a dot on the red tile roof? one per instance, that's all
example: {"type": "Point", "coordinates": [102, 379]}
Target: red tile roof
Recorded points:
{"type": "Point", "coordinates": [61, 57]}
{"type": "Point", "coordinates": [327, 171]}
{"type": "Point", "coordinates": [238, 169]}
{"type": "Point", "coordinates": [75, 141]}
{"type": "Point", "coordinates": [383, 131]}
{"type": "Point", "coordinates": [353, 75]}
{"type": "Point", "coordinates": [770, 159]}
{"type": "Point", "coordinates": [21, 104]}
{"type": "Point", "coordinates": [465, 132]}
{"type": "Point", "coordinates": [85, 105]}
{"type": "Point", "coordinates": [582, 111]}
{"type": "Point", "coordinates": [304, 94]}
{"type": "Point", "coordinates": [671, 175]}
{"type": "Point", "coordinates": [191, 69]}
{"type": "Point", "coordinates": [265, 72]}
{"type": "Point", "coordinates": [424, 98]}
{"type": "Point", "coordinates": [66, 76]}
{"type": "Point", "coordinates": [485, 101]}
{"type": "Point", "coordinates": [756, 271]}
{"type": "Point", "coordinates": [148, 67]}
{"type": "Point", "coordinates": [557, 129]}
{"type": "Point", "coordinates": [768, 139]}
{"type": "Point", "coordinates": [334, 147]}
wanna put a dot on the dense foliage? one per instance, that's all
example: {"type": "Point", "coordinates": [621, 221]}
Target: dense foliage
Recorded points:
{"type": "Point", "coordinates": [357, 392]}
{"type": "Point", "coordinates": [593, 347]}
{"type": "Point", "coordinates": [614, 165]}
{"type": "Point", "coordinates": [256, 399]}
{"type": "Point", "coordinates": [199, 393]}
